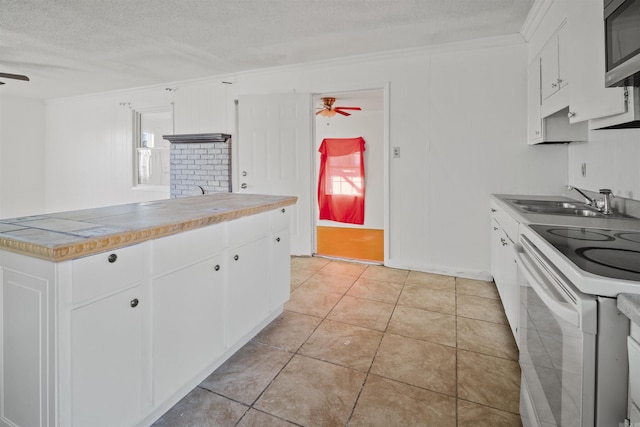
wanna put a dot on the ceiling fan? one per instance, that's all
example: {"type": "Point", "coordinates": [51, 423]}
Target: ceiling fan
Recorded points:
{"type": "Point", "coordinates": [13, 76]}
{"type": "Point", "coordinates": [328, 110]}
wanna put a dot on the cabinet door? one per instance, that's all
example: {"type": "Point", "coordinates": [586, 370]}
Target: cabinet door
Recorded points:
{"type": "Point", "coordinates": [533, 103]}
{"type": "Point", "coordinates": [590, 98]}
{"type": "Point", "coordinates": [106, 367]}
{"type": "Point", "coordinates": [188, 314]}
{"type": "Point", "coordinates": [25, 323]}
{"type": "Point", "coordinates": [248, 288]}
{"type": "Point", "coordinates": [280, 267]}
{"type": "Point", "coordinates": [549, 61]}
{"type": "Point", "coordinates": [511, 289]}
{"type": "Point", "coordinates": [563, 55]}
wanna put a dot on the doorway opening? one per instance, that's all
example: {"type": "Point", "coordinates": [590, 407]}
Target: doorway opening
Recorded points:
{"type": "Point", "coordinates": [336, 239]}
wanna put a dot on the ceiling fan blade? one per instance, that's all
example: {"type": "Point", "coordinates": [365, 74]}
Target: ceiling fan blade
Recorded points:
{"type": "Point", "coordinates": [348, 108]}
{"type": "Point", "coordinates": [341, 112]}
{"type": "Point", "coordinates": [14, 76]}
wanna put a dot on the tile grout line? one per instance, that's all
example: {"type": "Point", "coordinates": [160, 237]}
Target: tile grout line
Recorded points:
{"type": "Point", "coordinates": [355, 403]}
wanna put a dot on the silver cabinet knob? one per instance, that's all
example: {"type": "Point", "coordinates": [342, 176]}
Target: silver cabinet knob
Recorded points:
{"type": "Point", "coordinates": [134, 303]}
{"type": "Point", "coordinates": [243, 185]}
{"type": "Point", "coordinates": [236, 257]}
{"type": "Point", "coordinates": [217, 267]}
{"type": "Point", "coordinates": [112, 258]}
{"type": "Point", "coordinates": [278, 239]}
{"type": "Point", "coordinates": [244, 173]}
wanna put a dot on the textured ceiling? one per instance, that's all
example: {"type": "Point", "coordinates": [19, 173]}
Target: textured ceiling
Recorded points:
{"type": "Point", "coordinates": [72, 47]}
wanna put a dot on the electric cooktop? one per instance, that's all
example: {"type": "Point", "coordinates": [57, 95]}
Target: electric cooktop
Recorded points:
{"type": "Point", "coordinates": [608, 253]}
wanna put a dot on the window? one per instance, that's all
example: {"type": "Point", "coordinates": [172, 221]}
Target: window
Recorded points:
{"type": "Point", "coordinates": [341, 180]}
{"type": "Point", "coordinates": [151, 156]}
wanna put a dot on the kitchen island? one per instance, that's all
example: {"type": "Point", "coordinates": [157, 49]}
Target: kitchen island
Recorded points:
{"type": "Point", "coordinates": [111, 315]}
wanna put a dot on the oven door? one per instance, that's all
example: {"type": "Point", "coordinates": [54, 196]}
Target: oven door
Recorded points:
{"type": "Point", "coordinates": [557, 356]}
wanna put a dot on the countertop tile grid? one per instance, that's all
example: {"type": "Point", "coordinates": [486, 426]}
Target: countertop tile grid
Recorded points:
{"type": "Point", "coordinates": [68, 235]}
{"type": "Point", "coordinates": [362, 345]}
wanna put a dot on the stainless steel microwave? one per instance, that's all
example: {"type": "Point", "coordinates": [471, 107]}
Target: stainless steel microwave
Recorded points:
{"type": "Point", "coordinates": [622, 42]}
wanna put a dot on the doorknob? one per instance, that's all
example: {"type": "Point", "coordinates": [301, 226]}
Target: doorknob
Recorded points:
{"type": "Point", "coordinates": [243, 185]}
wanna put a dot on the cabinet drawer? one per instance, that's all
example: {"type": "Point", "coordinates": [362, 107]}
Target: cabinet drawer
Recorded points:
{"type": "Point", "coordinates": [172, 252]}
{"type": "Point", "coordinates": [248, 228]}
{"type": "Point", "coordinates": [107, 272]}
{"type": "Point", "coordinates": [281, 218]}
{"type": "Point", "coordinates": [506, 221]}
{"type": "Point", "coordinates": [634, 369]}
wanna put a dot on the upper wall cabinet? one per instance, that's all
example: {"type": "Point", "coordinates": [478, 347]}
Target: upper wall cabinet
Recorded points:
{"type": "Point", "coordinates": [568, 45]}
{"type": "Point", "coordinates": [200, 108]}
{"type": "Point", "coordinates": [589, 98]}
{"type": "Point", "coordinates": [553, 73]}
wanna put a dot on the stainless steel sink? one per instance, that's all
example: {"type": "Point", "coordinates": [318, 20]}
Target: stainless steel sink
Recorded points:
{"type": "Point", "coordinates": [551, 210]}
{"type": "Point", "coordinates": [552, 207]}
{"type": "Point", "coordinates": [548, 203]}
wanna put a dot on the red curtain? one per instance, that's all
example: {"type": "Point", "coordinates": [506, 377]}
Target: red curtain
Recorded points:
{"type": "Point", "coordinates": [341, 181]}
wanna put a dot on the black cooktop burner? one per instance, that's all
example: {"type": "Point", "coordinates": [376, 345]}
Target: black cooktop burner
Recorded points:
{"type": "Point", "coordinates": [580, 234]}
{"type": "Point", "coordinates": [622, 259]}
{"type": "Point", "coordinates": [608, 253]}
{"type": "Point", "coordinates": [629, 235]}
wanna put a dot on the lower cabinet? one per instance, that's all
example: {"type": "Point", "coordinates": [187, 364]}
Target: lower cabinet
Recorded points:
{"type": "Point", "coordinates": [117, 338]}
{"type": "Point", "coordinates": [107, 360]}
{"type": "Point", "coordinates": [188, 312]}
{"type": "Point", "coordinates": [280, 268]}
{"type": "Point", "coordinates": [248, 287]}
{"type": "Point", "coordinates": [503, 265]}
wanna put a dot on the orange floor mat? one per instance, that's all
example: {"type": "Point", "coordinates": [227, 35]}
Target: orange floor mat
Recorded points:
{"type": "Point", "coordinates": [354, 243]}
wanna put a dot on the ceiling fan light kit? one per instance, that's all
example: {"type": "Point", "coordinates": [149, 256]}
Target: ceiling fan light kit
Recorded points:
{"type": "Point", "coordinates": [328, 110]}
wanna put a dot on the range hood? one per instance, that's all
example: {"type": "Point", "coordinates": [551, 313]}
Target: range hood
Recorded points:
{"type": "Point", "coordinates": [197, 138]}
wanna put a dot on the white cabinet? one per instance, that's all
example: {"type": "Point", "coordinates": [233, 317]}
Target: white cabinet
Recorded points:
{"type": "Point", "coordinates": [553, 73]}
{"type": "Point", "coordinates": [633, 348]}
{"type": "Point", "coordinates": [107, 360]}
{"type": "Point", "coordinates": [589, 98]}
{"type": "Point", "coordinates": [569, 43]}
{"type": "Point", "coordinates": [27, 376]}
{"type": "Point", "coordinates": [279, 265]}
{"type": "Point", "coordinates": [117, 338]}
{"type": "Point", "coordinates": [248, 287]}
{"type": "Point", "coordinates": [504, 234]}
{"type": "Point", "coordinates": [188, 311]}
{"type": "Point", "coordinates": [534, 102]}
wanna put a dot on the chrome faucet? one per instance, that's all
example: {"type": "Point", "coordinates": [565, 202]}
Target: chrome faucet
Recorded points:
{"type": "Point", "coordinates": [603, 205]}
{"type": "Point", "coordinates": [606, 201]}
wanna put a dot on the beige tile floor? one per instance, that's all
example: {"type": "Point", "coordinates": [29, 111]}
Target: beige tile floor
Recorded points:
{"type": "Point", "coordinates": [365, 345]}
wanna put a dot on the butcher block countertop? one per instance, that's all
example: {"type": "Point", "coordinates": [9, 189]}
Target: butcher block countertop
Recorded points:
{"type": "Point", "coordinates": [74, 234]}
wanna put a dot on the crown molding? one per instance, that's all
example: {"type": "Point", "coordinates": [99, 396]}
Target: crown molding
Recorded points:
{"type": "Point", "coordinates": [535, 16]}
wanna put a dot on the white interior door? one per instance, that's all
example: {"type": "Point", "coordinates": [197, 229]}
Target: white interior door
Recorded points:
{"type": "Point", "coordinates": [274, 155]}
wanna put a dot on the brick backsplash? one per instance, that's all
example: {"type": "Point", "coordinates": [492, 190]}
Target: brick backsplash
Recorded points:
{"type": "Point", "coordinates": [194, 165]}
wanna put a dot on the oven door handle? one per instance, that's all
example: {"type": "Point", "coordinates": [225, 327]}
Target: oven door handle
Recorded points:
{"type": "Point", "coordinates": [537, 281]}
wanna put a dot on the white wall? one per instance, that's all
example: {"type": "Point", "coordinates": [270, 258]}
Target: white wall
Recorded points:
{"type": "Point", "coordinates": [22, 156]}
{"type": "Point", "coordinates": [612, 157]}
{"type": "Point", "coordinates": [89, 149]}
{"type": "Point", "coordinates": [370, 126]}
{"type": "Point", "coordinates": [457, 113]}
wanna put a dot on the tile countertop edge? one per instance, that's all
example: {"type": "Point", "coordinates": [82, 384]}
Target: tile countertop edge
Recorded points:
{"type": "Point", "coordinates": [90, 246]}
{"type": "Point", "coordinates": [629, 305]}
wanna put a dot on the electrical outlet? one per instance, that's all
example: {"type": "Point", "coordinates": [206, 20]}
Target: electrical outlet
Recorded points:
{"type": "Point", "coordinates": [583, 169]}
{"type": "Point", "coordinates": [396, 152]}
